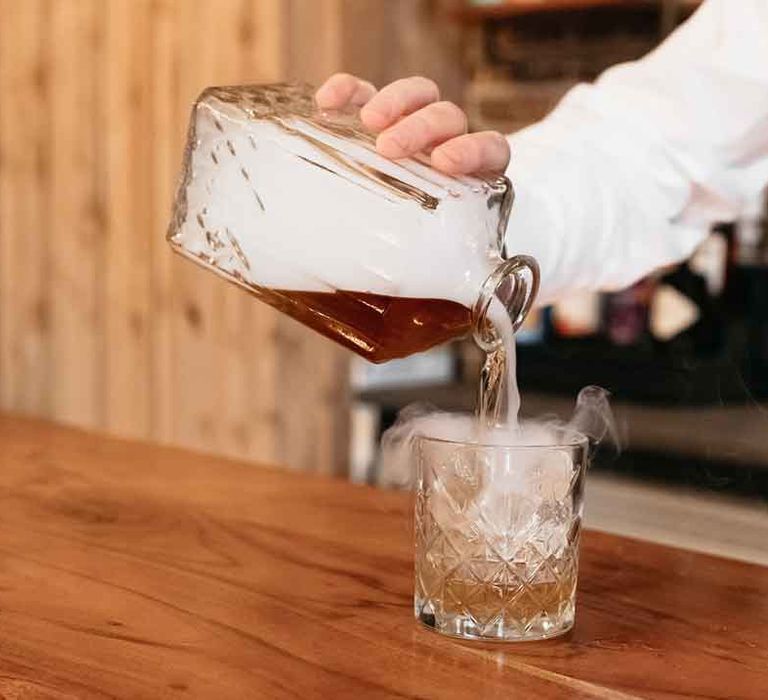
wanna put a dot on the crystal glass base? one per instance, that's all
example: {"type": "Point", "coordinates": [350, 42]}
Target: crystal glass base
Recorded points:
{"type": "Point", "coordinates": [501, 629]}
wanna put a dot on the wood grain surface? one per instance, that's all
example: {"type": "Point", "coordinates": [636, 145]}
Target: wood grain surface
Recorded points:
{"type": "Point", "coordinates": [134, 571]}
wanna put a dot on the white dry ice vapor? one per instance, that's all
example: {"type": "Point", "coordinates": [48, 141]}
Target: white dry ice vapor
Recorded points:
{"type": "Point", "coordinates": [592, 419]}
{"type": "Point", "coordinates": [279, 195]}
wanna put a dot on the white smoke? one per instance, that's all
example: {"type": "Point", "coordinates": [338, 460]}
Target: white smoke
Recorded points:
{"type": "Point", "coordinates": [592, 418]}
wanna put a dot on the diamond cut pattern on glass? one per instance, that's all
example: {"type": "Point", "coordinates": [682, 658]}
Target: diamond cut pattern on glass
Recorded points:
{"type": "Point", "coordinates": [497, 565]}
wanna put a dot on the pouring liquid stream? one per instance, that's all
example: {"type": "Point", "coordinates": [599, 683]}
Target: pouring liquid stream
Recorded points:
{"type": "Point", "coordinates": [498, 398]}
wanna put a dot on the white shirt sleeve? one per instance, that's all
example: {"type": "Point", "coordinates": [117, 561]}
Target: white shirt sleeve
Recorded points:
{"type": "Point", "coordinates": [628, 174]}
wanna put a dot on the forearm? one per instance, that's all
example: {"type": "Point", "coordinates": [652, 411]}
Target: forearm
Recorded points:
{"type": "Point", "coordinates": [627, 175]}
{"type": "Point", "coordinates": [596, 208]}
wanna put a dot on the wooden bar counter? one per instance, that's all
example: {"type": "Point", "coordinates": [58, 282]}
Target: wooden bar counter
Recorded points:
{"type": "Point", "coordinates": [134, 571]}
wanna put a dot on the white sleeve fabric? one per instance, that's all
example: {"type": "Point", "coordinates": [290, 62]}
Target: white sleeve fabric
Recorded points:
{"type": "Point", "coordinates": [627, 174]}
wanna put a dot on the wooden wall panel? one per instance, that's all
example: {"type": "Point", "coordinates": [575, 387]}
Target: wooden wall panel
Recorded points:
{"type": "Point", "coordinates": [100, 325]}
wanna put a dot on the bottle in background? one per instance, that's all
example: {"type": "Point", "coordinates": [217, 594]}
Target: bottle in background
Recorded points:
{"type": "Point", "coordinates": [687, 313]}
{"type": "Point", "coordinates": [626, 313]}
{"type": "Point", "coordinates": [749, 294]}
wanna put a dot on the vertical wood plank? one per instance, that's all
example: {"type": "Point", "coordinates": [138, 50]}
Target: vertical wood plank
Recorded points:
{"type": "Point", "coordinates": [411, 37]}
{"type": "Point", "coordinates": [370, 54]}
{"type": "Point", "coordinates": [166, 139]}
{"type": "Point", "coordinates": [430, 43]}
{"type": "Point", "coordinates": [314, 35]}
{"type": "Point", "coordinates": [264, 40]}
{"type": "Point", "coordinates": [24, 185]}
{"type": "Point", "coordinates": [76, 216]}
{"type": "Point", "coordinates": [313, 400]}
{"type": "Point", "coordinates": [124, 128]}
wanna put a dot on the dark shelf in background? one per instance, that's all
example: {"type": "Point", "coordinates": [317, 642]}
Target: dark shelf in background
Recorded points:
{"type": "Point", "coordinates": [519, 8]}
{"type": "Point", "coordinates": [636, 374]}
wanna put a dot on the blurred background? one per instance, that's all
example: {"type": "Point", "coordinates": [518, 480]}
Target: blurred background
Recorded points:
{"type": "Point", "coordinates": [102, 327]}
